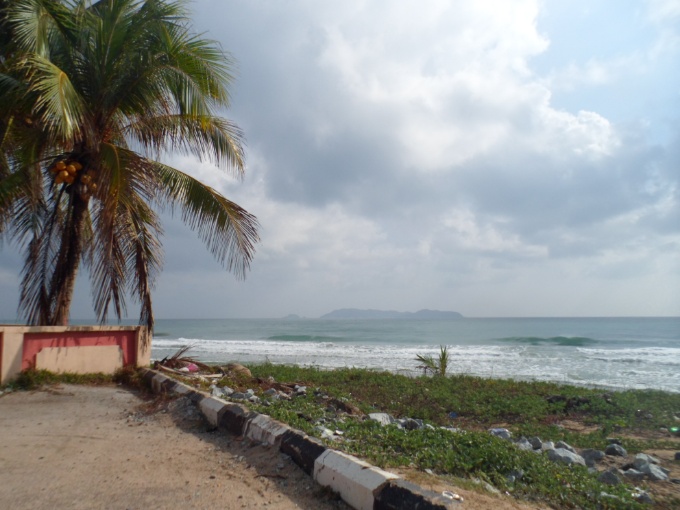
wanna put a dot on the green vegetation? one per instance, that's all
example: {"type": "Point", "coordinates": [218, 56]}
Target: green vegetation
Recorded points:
{"type": "Point", "coordinates": [32, 379]}
{"type": "Point", "coordinates": [526, 408]}
{"type": "Point", "coordinates": [35, 379]}
{"type": "Point", "coordinates": [471, 453]}
{"type": "Point", "coordinates": [435, 366]}
{"type": "Point", "coordinates": [92, 94]}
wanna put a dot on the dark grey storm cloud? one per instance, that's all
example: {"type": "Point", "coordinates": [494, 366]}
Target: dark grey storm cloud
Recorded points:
{"type": "Point", "coordinates": [448, 155]}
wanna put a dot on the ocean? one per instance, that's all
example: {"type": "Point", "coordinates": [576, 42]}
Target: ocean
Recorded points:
{"type": "Point", "coordinates": [612, 353]}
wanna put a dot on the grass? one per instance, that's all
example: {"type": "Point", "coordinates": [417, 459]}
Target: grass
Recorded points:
{"type": "Point", "coordinates": [32, 379]}
{"type": "Point", "coordinates": [526, 408]}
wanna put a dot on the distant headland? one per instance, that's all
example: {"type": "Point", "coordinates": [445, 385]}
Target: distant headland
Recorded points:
{"type": "Point", "coordinates": [355, 313]}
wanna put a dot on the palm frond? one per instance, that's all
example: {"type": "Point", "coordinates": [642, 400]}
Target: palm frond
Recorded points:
{"type": "Point", "coordinates": [35, 23]}
{"type": "Point", "coordinates": [59, 105]}
{"type": "Point", "coordinates": [83, 83]}
{"type": "Point", "coordinates": [206, 137]}
{"type": "Point", "coordinates": [229, 231]}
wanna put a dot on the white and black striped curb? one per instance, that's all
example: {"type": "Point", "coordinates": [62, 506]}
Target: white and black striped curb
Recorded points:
{"type": "Point", "coordinates": [362, 486]}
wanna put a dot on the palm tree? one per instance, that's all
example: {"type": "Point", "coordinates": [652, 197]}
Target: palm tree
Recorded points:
{"type": "Point", "coordinates": [91, 95]}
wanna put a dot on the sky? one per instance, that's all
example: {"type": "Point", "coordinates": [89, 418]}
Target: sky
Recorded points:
{"type": "Point", "coordinates": [495, 158]}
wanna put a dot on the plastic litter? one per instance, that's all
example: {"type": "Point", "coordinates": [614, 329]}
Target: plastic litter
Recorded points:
{"type": "Point", "coordinates": [452, 495]}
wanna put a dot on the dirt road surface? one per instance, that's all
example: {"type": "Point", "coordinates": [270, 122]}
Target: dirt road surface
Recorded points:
{"type": "Point", "coordinates": [105, 447]}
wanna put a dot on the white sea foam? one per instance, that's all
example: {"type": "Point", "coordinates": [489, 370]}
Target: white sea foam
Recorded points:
{"type": "Point", "coordinates": [652, 355]}
{"type": "Point", "coordinates": [595, 353]}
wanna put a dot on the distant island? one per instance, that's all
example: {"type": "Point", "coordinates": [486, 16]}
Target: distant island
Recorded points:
{"type": "Point", "coordinates": [355, 313]}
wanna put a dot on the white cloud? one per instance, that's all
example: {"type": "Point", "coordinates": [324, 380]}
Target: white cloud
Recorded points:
{"type": "Point", "coordinates": [408, 155]}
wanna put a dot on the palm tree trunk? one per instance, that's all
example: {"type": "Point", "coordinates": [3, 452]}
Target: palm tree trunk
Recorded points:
{"type": "Point", "coordinates": [70, 253]}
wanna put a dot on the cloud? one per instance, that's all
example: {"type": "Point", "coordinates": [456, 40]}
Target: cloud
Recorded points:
{"type": "Point", "coordinates": [424, 152]}
{"type": "Point", "coordinates": [409, 155]}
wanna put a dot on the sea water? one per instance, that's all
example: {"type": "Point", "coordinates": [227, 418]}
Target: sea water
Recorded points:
{"type": "Point", "coordinates": [616, 353]}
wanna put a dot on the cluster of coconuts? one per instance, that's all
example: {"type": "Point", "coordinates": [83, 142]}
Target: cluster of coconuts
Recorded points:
{"type": "Point", "coordinates": [66, 172]}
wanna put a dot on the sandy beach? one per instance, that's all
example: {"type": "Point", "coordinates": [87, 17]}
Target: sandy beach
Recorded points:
{"type": "Point", "coordinates": [84, 447]}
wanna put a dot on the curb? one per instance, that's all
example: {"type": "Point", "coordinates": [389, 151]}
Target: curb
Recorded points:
{"type": "Point", "coordinates": [359, 484]}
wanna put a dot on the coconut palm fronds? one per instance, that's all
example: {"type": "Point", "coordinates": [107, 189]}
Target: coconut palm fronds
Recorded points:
{"type": "Point", "coordinates": [179, 361]}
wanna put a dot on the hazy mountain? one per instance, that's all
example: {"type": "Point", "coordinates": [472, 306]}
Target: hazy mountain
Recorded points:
{"type": "Point", "coordinates": [355, 313]}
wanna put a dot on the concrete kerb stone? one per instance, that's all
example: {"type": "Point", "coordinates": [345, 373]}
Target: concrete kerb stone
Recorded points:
{"type": "Point", "coordinates": [234, 418]}
{"type": "Point", "coordinates": [157, 381]}
{"type": "Point", "coordinates": [148, 375]}
{"type": "Point", "coordinates": [211, 407]}
{"type": "Point", "coordinates": [352, 478]}
{"type": "Point", "coordinates": [264, 429]}
{"type": "Point", "coordinates": [168, 386]}
{"type": "Point", "coordinates": [304, 450]}
{"type": "Point", "coordinates": [403, 495]}
{"type": "Point", "coordinates": [359, 484]}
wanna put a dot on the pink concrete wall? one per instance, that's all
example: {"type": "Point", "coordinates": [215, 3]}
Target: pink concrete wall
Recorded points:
{"type": "Point", "coordinates": [35, 342]}
{"type": "Point", "coordinates": [71, 348]}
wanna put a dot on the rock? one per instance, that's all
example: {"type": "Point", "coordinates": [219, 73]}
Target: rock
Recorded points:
{"type": "Point", "coordinates": [216, 392]}
{"type": "Point", "coordinates": [547, 446]}
{"type": "Point", "coordinates": [250, 392]}
{"type": "Point", "coordinates": [633, 475]}
{"type": "Point", "coordinates": [486, 485]}
{"type": "Point", "coordinates": [237, 395]}
{"type": "Point", "coordinates": [647, 458]}
{"type": "Point", "coordinates": [325, 433]}
{"type": "Point", "coordinates": [614, 440]}
{"type": "Point", "coordinates": [524, 444]}
{"type": "Point", "coordinates": [675, 481]}
{"type": "Point", "coordinates": [536, 442]}
{"type": "Point", "coordinates": [254, 399]}
{"type": "Point", "coordinates": [677, 455]}
{"type": "Point", "coordinates": [411, 424]}
{"type": "Point", "coordinates": [592, 456]}
{"type": "Point", "coordinates": [562, 444]}
{"type": "Point", "coordinates": [237, 368]}
{"type": "Point", "coordinates": [609, 478]}
{"type": "Point", "coordinates": [565, 457]}
{"type": "Point", "coordinates": [653, 471]}
{"type": "Point", "coordinates": [382, 418]}
{"type": "Point", "coordinates": [300, 390]}
{"type": "Point", "coordinates": [615, 450]}
{"type": "Point", "coordinates": [451, 429]}
{"type": "Point", "coordinates": [429, 427]}
{"type": "Point", "coordinates": [643, 497]}
{"type": "Point", "coordinates": [609, 496]}
{"type": "Point", "coordinates": [502, 433]}
{"type": "Point", "coordinates": [515, 474]}
{"type": "Point", "coordinates": [271, 392]}
{"type": "Point", "coordinates": [227, 391]}
{"type": "Point", "coordinates": [491, 488]}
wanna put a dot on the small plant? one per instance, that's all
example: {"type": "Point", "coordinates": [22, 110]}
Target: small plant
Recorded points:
{"type": "Point", "coordinates": [436, 366]}
{"type": "Point", "coordinates": [32, 379]}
